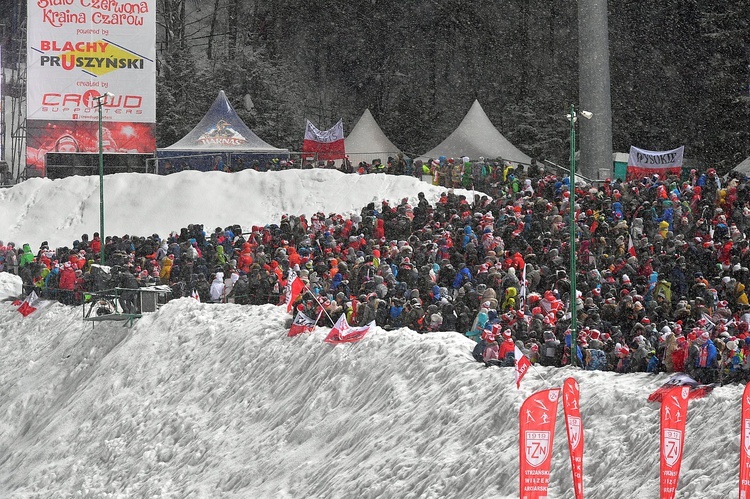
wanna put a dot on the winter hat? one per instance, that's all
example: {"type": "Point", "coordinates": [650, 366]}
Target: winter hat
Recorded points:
{"type": "Point", "coordinates": [732, 345]}
{"type": "Point", "coordinates": [507, 333]}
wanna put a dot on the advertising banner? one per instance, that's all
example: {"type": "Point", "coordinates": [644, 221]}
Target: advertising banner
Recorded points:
{"type": "Point", "coordinates": [537, 431]}
{"type": "Point", "coordinates": [78, 50]}
{"type": "Point", "coordinates": [643, 163]}
{"type": "Point", "coordinates": [745, 445]}
{"type": "Point", "coordinates": [574, 428]}
{"type": "Point", "coordinates": [674, 406]}
{"type": "Point", "coordinates": [83, 136]}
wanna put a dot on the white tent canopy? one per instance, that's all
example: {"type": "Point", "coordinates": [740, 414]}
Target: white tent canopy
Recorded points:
{"type": "Point", "coordinates": [743, 167]}
{"type": "Point", "coordinates": [477, 137]}
{"type": "Point", "coordinates": [367, 141]}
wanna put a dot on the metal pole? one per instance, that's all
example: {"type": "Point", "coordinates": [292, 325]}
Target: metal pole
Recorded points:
{"type": "Point", "coordinates": [101, 182]}
{"type": "Point", "coordinates": [573, 297]}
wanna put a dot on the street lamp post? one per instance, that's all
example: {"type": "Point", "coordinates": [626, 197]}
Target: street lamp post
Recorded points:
{"type": "Point", "coordinates": [100, 100]}
{"type": "Point", "coordinates": [573, 117]}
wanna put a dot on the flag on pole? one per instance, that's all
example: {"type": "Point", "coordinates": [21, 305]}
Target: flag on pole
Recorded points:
{"type": "Point", "coordinates": [29, 304]}
{"type": "Point", "coordinates": [294, 286]}
{"type": "Point", "coordinates": [302, 324]}
{"type": "Point", "coordinates": [631, 247]}
{"type": "Point", "coordinates": [522, 366]}
{"type": "Point", "coordinates": [674, 406]}
{"type": "Point", "coordinates": [574, 427]}
{"type": "Point", "coordinates": [327, 144]}
{"type": "Point", "coordinates": [342, 332]}
{"type": "Point", "coordinates": [745, 445]}
{"type": "Point", "coordinates": [537, 431]}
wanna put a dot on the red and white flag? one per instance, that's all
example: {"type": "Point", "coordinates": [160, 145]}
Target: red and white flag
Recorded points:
{"type": "Point", "coordinates": [537, 432]}
{"type": "Point", "coordinates": [631, 247]}
{"type": "Point", "coordinates": [294, 287]}
{"type": "Point", "coordinates": [195, 295]}
{"type": "Point", "coordinates": [574, 427]}
{"type": "Point", "coordinates": [745, 445]}
{"type": "Point", "coordinates": [327, 144]}
{"type": "Point", "coordinates": [697, 390]}
{"type": "Point", "coordinates": [643, 163]}
{"type": "Point", "coordinates": [674, 407]}
{"type": "Point", "coordinates": [342, 332]}
{"type": "Point", "coordinates": [522, 366]}
{"type": "Point", "coordinates": [302, 324]}
{"type": "Point", "coordinates": [29, 304]}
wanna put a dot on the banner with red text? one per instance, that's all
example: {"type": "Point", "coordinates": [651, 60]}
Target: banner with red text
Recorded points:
{"type": "Point", "coordinates": [574, 428]}
{"type": "Point", "coordinates": [78, 50]}
{"type": "Point", "coordinates": [745, 445]}
{"type": "Point", "coordinates": [537, 433]}
{"type": "Point", "coordinates": [643, 163]}
{"type": "Point", "coordinates": [674, 406]}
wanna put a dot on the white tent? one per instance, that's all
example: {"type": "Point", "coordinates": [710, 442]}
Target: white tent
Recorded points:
{"type": "Point", "coordinates": [477, 137]}
{"type": "Point", "coordinates": [743, 167]}
{"type": "Point", "coordinates": [367, 141]}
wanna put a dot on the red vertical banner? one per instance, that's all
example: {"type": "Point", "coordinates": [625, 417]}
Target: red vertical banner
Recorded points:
{"type": "Point", "coordinates": [574, 427]}
{"type": "Point", "coordinates": [745, 445]}
{"type": "Point", "coordinates": [537, 431]}
{"type": "Point", "coordinates": [673, 416]}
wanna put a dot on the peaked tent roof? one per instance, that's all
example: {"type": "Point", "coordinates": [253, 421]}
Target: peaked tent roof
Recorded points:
{"type": "Point", "coordinates": [476, 137]}
{"type": "Point", "coordinates": [367, 141]}
{"type": "Point", "coordinates": [743, 167]}
{"type": "Point", "coordinates": [222, 130]}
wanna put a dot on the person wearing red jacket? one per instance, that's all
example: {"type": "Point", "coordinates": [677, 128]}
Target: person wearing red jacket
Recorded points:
{"type": "Point", "coordinates": [67, 283]}
{"type": "Point", "coordinates": [507, 347]}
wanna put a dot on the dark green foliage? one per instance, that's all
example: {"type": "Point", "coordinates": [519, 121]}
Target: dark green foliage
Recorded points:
{"type": "Point", "coordinates": [679, 69]}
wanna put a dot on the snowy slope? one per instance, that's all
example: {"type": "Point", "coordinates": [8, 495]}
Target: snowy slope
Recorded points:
{"type": "Point", "coordinates": [209, 401]}
{"type": "Point", "coordinates": [60, 211]}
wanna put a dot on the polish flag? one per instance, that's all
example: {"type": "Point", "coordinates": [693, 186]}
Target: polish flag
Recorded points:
{"type": "Point", "coordinates": [195, 295]}
{"type": "Point", "coordinates": [327, 144]}
{"type": "Point", "coordinates": [294, 286]}
{"type": "Point", "coordinates": [342, 332]}
{"type": "Point", "coordinates": [29, 304]}
{"type": "Point", "coordinates": [631, 248]}
{"type": "Point", "coordinates": [522, 366]}
{"type": "Point", "coordinates": [302, 324]}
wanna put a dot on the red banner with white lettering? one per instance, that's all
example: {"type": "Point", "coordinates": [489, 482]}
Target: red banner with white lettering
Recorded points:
{"type": "Point", "coordinates": [745, 445]}
{"type": "Point", "coordinates": [574, 428]}
{"type": "Point", "coordinates": [537, 431]}
{"type": "Point", "coordinates": [674, 406]}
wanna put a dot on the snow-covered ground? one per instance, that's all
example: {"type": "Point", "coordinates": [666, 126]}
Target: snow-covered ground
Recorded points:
{"type": "Point", "coordinates": [60, 211]}
{"type": "Point", "coordinates": [215, 401]}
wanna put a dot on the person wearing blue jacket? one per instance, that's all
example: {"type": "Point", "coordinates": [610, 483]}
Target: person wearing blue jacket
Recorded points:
{"type": "Point", "coordinates": [705, 361]}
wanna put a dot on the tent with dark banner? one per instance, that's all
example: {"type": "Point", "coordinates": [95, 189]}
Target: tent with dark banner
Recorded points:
{"type": "Point", "coordinates": [221, 141]}
{"type": "Point", "coordinates": [477, 137]}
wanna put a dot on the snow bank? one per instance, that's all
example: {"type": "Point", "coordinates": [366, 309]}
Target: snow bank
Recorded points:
{"type": "Point", "coordinates": [60, 211]}
{"type": "Point", "coordinates": [201, 400]}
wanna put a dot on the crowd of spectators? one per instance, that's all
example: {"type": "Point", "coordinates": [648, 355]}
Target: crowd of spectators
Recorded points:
{"type": "Point", "coordinates": [662, 267]}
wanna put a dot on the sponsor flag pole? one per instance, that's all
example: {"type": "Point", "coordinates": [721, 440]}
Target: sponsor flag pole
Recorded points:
{"type": "Point", "coordinates": [574, 428]}
{"type": "Point", "coordinates": [537, 433]}
{"type": "Point", "coordinates": [673, 417]}
{"type": "Point", "coordinates": [745, 445]}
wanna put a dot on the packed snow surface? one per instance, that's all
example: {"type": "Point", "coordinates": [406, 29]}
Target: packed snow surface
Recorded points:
{"type": "Point", "coordinates": [215, 401]}
{"type": "Point", "coordinates": [60, 211]}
